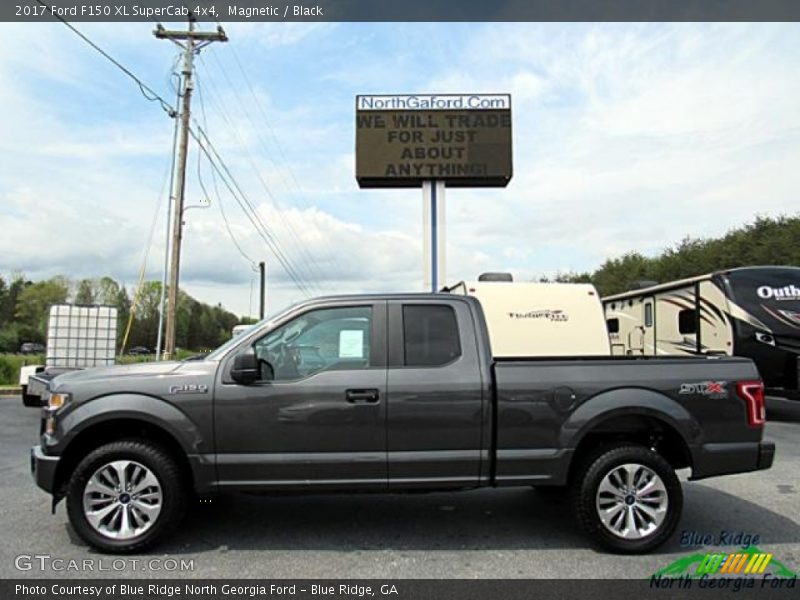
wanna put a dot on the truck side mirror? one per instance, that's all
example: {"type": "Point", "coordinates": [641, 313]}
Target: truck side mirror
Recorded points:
{"type": "Point", "coordinates": [245, 367]}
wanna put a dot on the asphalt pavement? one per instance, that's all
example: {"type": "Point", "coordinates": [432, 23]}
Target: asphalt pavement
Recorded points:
{"type": "Point", "coordinates": [503, 533]}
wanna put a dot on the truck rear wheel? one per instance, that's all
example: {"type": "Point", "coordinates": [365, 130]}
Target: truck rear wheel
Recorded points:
{"type": "Point", "coordinates": [125, 496]}
{"type": "Point", "coordinates": [628, 499]}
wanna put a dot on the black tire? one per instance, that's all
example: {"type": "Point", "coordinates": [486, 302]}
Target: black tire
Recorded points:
{"type": "Point", "coordinates": [590, 476]}
{"type": "Point", "coordinates": [169, 476]}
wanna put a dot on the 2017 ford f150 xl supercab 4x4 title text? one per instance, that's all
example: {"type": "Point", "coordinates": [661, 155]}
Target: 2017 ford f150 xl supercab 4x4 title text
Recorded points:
{"type": "Point", "coordinates": [393, 393]}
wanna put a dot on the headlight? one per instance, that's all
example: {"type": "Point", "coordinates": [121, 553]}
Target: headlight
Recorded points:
{"type": "Point", "coordinates": [765, 338]}
{"type": "Point", "coordinates": [56, 401]}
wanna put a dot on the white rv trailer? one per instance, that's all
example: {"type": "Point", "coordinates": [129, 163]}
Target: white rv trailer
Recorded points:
{"type": "Point", "coordinates": [540, 319]}
{"type": "Point", "coordinates": [750, 311]}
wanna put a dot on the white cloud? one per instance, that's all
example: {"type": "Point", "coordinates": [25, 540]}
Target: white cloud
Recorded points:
{"type": "Point", "coordinates": [626, 137]}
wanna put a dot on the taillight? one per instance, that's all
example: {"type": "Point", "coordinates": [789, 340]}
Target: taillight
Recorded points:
{"type": "Point", "coordinates": [752, 392]}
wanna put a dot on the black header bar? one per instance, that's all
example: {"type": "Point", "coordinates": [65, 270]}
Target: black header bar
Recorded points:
{"type": "Point", "coordinates": [402, 10]}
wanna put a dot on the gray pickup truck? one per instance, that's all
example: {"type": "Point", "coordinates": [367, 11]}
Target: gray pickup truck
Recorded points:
{"type": "Point", "coordinates": [393, 393]}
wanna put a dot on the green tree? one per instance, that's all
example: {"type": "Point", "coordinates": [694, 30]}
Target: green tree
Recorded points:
{"type": "Point", "coordinates": [34, 301]}
{"type": "Point", "coordinates": [85, 293]}
{"type": "Point", "coordinates": [108, 292]}
{"type": "Point", "coordinates": [765, 241]}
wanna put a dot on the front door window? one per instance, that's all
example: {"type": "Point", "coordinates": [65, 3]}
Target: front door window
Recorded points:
{"type": "Point", "coordinates": [319, 340]}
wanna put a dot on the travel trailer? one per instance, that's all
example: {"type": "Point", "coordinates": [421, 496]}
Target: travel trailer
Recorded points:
{"type": "Point", "coordinates": [751, 311]}
{"type": "Point", "coordinates": [539, 319]}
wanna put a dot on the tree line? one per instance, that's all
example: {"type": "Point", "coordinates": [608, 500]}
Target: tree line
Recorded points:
{"type": "Point", "coordinates": [24, 311]}
{"type": "Point", "coordinates": [24, 304]}
{"type": "Point", "coordinates": [765, 241]}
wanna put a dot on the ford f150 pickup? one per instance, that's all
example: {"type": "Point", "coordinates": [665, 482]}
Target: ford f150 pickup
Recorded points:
{"type": "Point", "coordinates": [393, 393]}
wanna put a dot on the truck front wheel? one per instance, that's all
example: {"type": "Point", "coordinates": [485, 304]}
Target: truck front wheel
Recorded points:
{"type": "Point", "coordinates": [125, 496]}
{"type": "Point", "coordinates": [628, 498]}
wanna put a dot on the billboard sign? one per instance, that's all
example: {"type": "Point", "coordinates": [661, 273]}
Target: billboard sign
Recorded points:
{"type": "Point", "coordinates": [461, 139]}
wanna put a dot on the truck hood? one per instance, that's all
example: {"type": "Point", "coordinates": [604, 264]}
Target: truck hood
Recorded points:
{"type": "Point", "coordinates": [115, 372]}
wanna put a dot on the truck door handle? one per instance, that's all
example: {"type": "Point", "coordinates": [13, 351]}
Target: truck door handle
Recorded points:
{"type": "Point", "coordinates": [362, 396]}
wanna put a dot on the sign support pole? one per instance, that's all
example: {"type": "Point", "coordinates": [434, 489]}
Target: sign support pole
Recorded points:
{"type": "Point", "coordinates": [433, 224]}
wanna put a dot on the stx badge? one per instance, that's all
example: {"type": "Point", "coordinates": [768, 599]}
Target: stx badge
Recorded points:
{"type": "Point", "coordinates": [712, 389]}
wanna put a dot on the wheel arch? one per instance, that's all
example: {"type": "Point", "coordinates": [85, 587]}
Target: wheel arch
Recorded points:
{"type": "Point", "coordinates": [124, 416]}
{"type": "Point", "coordinates": [638, 416]}
{"type": "Point", "coordinates": [115, 429]}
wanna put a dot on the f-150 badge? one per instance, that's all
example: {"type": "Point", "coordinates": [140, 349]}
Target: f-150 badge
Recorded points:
{"type": "Point", "coordinates": [712, 389]}
{"type": "Point", "coordinates": [188, 388]}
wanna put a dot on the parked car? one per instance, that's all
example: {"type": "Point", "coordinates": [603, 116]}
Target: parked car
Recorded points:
{"type": "Point", "coordinates": [139, 351]}
{"type": "Point", "coordinates": [400, 393]}
{"type": "Point", "coordinates": [31, 348]}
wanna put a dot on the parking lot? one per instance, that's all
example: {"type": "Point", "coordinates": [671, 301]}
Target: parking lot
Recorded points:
{"type": "Point", "coordinates": [504, 533]}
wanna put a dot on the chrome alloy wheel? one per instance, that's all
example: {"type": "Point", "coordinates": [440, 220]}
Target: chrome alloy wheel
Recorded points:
{"type": "Point", "coordinates": [632, 501]}
{"type": "Point", "coordinates": [122, 499]}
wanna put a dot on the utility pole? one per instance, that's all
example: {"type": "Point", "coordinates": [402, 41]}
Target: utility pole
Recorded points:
{"type": "Point", "coordinates": [262, 267]}
{"type": "Point", "coordinates": [192, 42]}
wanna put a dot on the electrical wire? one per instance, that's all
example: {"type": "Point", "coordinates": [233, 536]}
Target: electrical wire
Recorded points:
{"type": "Point", "coordinates": [216, 188]}
{"type": "Point", "coordinates": [153, 96]}
{"type": "Point", "coordinates": [298, 192]}
{"type": "Point", "coordinates": [218, 164]}
{"type": "Point", "coordinates": [145, 256]}
{"type": "Point", "coordinates": [304, 257]}
{"type": "Point", "coordinates": [145, 89]}
{"type": "Point", "coordinates": [249, 209]}
{"type": "Point", "coordinates": [266, 120]}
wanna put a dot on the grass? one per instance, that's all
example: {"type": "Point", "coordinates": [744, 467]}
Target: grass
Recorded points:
{"type": "Point", "coordinates": [10, 364]}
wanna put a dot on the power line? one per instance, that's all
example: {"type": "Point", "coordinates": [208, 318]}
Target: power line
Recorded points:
{"type": "Point", "coordinates": [263, 115]}
{"type": "Point", "coordinates": [299, 193]}
{"type": "Point", "coordinates": [145, 89]}
{"type": "Point", "coordinates": [247, 207]}
{"type": "Point", "coordinates": [145, 256]}
{"type": "Point", "coordinates": [317, 269]}
{"type": "Point", "coordinates": [304, 257]}
{"type": "Point", "coordinates": [251, 212]}
{"type": "Point", "coordinates": [216, 188]}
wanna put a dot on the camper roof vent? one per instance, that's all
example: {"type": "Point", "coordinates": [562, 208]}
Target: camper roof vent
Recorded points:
{"type": "Point", "coordinates": [641, 284]}
{"type": "Point", "coordinates": [495, 277]}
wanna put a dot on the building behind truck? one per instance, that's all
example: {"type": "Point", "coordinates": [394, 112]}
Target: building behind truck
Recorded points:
{"type": "Point", "coordinates": [752, 312]}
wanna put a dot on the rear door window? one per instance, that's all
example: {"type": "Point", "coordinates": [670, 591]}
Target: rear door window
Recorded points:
{"type": "Point", "coordinates": [431, 336]}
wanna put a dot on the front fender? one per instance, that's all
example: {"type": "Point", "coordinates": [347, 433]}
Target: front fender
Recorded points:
{"type": "Point", "coordinates": [628, 402]}
{"type": "Point", "coordinates": [132, 406]}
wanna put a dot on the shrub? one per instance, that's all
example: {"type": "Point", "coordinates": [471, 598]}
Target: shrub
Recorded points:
{"type": "Point", "coordinates": [10, 365]}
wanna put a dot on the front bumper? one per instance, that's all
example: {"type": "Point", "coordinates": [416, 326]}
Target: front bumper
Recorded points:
{"type": "Point", "coordinates": [43, 469]}
{"type": "Point", "coordinates": [710, 460]}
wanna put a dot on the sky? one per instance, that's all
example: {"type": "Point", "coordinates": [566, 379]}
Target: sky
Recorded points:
{"type": "Point", "coordinates": [627, 137]}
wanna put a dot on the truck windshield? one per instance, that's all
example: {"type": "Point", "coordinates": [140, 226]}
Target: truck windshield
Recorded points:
{"type": "Point", "coordinates": [221, 350]}
{"type": "Point", "coordinates": [772, 295]}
